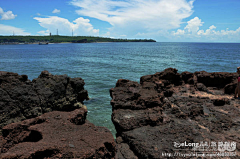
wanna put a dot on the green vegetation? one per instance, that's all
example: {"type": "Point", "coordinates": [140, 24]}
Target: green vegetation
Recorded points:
{"type": "Point", "coordinates": [60, 39]}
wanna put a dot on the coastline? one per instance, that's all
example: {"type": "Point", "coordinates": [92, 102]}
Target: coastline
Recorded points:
{"type": "Point", "coordinates": [169, 114]}
{"type": "Point", "coordinates": [63, 39]}
{"type": "Point", "coordinates": [162, 114]}
{"type": "Point", "coordinates": [51, 43]}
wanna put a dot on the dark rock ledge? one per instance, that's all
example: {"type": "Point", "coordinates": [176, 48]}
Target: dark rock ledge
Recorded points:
{"type": "Point", "coordinates": [168, 108]}
{"type": "Point", "coordinates": [54, 125]}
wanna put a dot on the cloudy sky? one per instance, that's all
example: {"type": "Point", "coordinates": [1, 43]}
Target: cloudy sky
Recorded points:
{"type": "Point", "coordinates": [162, 20]}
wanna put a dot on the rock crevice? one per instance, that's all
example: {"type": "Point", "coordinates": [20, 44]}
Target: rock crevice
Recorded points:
{"type": "Point", "coordinates": [46, 118]}
{"type": "Point", "coordinates": [169, 107]}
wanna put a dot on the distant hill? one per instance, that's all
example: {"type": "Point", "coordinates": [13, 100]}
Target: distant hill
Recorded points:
{"type": "Point", "coordinates": [61, 39]}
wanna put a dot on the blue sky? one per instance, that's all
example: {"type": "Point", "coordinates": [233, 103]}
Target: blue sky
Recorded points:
{"type": "Point", "coordinates": [162, 20]}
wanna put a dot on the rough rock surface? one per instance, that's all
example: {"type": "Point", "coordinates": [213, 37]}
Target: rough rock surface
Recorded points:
{"type": "Point", "coordinates": [22, 99]}
{"type": "Point", "coordinates": [56, 135]}
{"type": "Point", "coordinates": [166, 109]}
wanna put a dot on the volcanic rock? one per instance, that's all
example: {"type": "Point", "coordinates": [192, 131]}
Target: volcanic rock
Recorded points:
{"type": "Point", "coordinates": [22, 99]}
{"type": "Point", "coordinates": [56, 135]}
{"type": "Point", "coordinates": [167, 113]}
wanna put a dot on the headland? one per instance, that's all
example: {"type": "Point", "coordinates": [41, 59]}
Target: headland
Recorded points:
{"type": "Point", "coordinates": [63, 39]}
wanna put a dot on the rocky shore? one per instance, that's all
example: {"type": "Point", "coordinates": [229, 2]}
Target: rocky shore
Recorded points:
{"type": "Point", "coordinates": [46, 118]}
{"type": "Point", "coordinates": [167, 113]}
{"type": "Point", "coordinates": [164, 116]}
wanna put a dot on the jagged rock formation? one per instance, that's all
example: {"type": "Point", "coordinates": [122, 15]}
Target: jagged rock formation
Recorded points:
{"type": "Point", "coordinates": [22, 99]}
{"type": "Point", "coordinates": [56, 135]}
{"type": "Point", "coordinates": [55, 125]}
{"type": "Point", "coordinates": [166, 109]}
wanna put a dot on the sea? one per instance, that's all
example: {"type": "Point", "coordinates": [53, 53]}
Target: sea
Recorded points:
{"type": "Point", "coordinates": [102, 64]}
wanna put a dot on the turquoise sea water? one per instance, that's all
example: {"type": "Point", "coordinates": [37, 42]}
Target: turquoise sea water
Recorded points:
{"type": "Point", "coordinates": [102, 64]}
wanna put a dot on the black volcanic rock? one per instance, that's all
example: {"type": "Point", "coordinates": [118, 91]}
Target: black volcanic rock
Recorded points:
{"type": "Point", "coordinates": [55, 125]}
{"type": "Point", "coordinates": [169, 108]}
{"type": "Point", "coordinates": [22, 99]}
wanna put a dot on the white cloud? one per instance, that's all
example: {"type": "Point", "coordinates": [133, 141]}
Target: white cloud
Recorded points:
{"type": "Point", "coordinates": [208, 31]}
{"type": "Point", "coordinates": [179, 32]}
{"type": "Point", "coordinates": [7, 15]}
{"type": "Point", "coordinates": [56, 11]}
{"type": "Point", "coordinates": [192, 31]}
{"type": "Point", "coordinates": [193, 25]}
{"type": "Point", "coordinates": [46, 32]}
{"type": "Point", "coordinates": [131, 17]}
{"type": "Point", "coordinates": [80, 26]}
{"type": "Point", "coordinates": [211, 32]}
{"type": "Point", "coordinates": [192, 28]}
{"type": "Point", "coordinates": [212, 27]}
{"type": "Point", "coordinates": [8, 30]}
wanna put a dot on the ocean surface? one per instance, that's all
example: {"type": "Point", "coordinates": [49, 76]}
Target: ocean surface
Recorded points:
{"type": "Point", "coordinates": [102, 64]}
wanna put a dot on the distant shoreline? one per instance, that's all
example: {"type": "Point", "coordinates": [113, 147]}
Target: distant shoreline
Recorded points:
{"type": "Point", "coordinates": [48, 43]}
{"type": "Point", "coordinates": [5, 40]}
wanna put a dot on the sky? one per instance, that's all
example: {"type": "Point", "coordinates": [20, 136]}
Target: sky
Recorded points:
{"type": "Point", "coordinates": [161, 20]}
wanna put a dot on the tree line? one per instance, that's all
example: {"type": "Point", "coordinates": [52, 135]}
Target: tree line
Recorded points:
{"type": "Point", "coordinates": [61, 39]}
